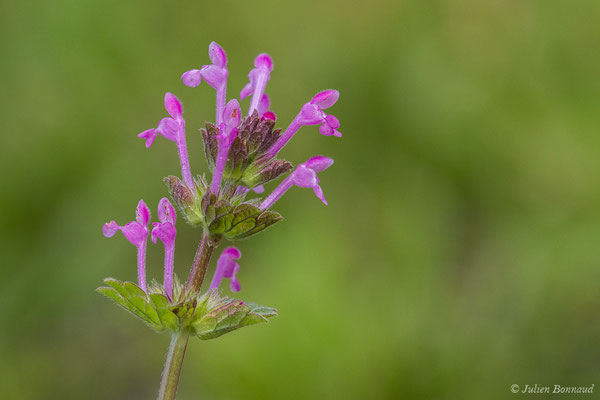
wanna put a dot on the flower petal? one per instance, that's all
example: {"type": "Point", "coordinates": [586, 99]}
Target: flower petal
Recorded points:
{"type": "Point", "coordinates": [265, 61]}
{"type": "Point", "coordinates": [166, 211]}
{"type": "Point", "coordinates": [304, 177]}
{"type": "Point", "coordinates": [191, 78]}
{"type": "Point", "coordinates": [325, 130]}
{"type": "Point", "coordinates": [264, 104]}
{"type": "Point", "coordinates": [165, 232]}
{"type": "Point", "coordinates": [319, 192]}
{"type": "Point", "coordinates": [149, 135]}
{"type": "Point", "coordinates": [142, 213]}
{"type": "Point", "coordinates": [169, 128]}
{"type": "Point", "coordinates": [232, 114]}
{"type": "Point", "coordinates": [258, 189]}
{"type": "Point", "coordinates": [332, 121]}
{"type": "Point", "coordinates": [214, 75]}
{"type": "Point", "coordinates": [109, 229]}
{"type": "Point", "coordinates": [135, 233]}
{"type": "Point", "coordinates": [217, 55]}
{"type": "Point", "coordinates": [326, 98]}
{"type": "Point", "coordinates": [311, 115]}
{"type": "Point", "coordinates": [319, 163]}
{"type": "Point", "coordinates": [173, 105]}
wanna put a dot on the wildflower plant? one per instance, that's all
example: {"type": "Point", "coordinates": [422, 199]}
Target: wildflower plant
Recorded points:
{"type": "Point", "coordinates": [241, 152]}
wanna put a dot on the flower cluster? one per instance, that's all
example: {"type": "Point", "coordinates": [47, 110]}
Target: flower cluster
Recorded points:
{"type": "Point", "coordinates": [242, 155]}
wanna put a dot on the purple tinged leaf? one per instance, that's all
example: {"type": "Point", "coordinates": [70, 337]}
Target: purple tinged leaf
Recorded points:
{"type": "Point", "coordinates": [217, 55]}
{"type": "Point", "coordinates": [192, 78]}
{"type": "Point", "coordinates": [173, 106]}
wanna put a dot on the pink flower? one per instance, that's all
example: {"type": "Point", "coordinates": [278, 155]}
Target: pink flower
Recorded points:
{"type": "Point", "coordinates": [165, 231]}
{"type": "Point", "coordinates": [227, 267]}
{"type": "Point", "coordinates": [173, 129]}
{"type": "Point", "coordinates": [214, 74]}
{"type": "Point", "coordinates": [137, 233]}
{"type": "Point", "coordinates": [227, 134]}
{"type": "Point", "coordinates": [311, 114]}
{"type": "Point", "coordinates": [305, 175]}
{"type": "Point", "coordinates": [259, 77]}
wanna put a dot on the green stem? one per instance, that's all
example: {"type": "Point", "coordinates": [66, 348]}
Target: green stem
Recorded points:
{"type": "Point", "coordinates": [179, 340]}
{"type": "Point", "coordinates": [173, 363]}
{"type": "Point", "coordinates": [205, 249]}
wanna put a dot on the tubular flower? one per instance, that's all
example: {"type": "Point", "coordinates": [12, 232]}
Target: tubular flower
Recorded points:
{"type": "Point", "coordinates": [227, 267]}
{"type": "Point", "coordinates": [312, 114]}
{"type": "Point", "coordinates": [137, 233]}
{"type": "Point", "coordinates": [305, 175]}
{"type": "Point", "coordinates": [259, 77]}
{"type": "Point", "coordinates": [173, 129]}
{"type": "Point", "coordinates": [165, 231]}
{"type": "Point", "coordinates": [214, 74]}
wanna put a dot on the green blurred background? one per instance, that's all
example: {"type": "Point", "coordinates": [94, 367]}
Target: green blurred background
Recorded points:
{"type": "Point", "coordinates": [458, 255]}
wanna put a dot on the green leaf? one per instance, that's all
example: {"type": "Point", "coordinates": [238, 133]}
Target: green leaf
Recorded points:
{"type": "Point", "coordinates": [224, 315]}
{"type": "Point", "coordinates": [154, 310]}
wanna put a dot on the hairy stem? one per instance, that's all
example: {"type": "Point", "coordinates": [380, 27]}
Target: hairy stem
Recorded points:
{"type": "Point", "coordinates": [173, 363]}
{"type": "Point", "coordinates": [200, 264]}
{"type": "Point", "coordinates": [179, 340]}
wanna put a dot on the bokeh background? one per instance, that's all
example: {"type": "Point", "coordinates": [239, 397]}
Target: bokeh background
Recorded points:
{"type": "Point", "coordinates": [459, 253]}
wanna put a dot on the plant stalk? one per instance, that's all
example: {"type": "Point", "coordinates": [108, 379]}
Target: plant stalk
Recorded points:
{"type": "Point", "coordinates": [205, 249]}
{"type": "Point", "coordinates": [179, 340]}
{"type": "Point", "coordinates": [173, 363]}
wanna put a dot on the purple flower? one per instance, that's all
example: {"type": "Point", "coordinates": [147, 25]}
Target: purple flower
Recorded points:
{"type": "Point", "coordinates": [311, 114]}
{"type": "Point", "coordinates": [227, 267]}
{"type": "Point", "coordinates": [165, 231]}
{"type": "Point", "coordinates": [214, 74]}
{"type": "Point", "coordinates": [305, 175]}
{"type": "Point", "coordinates": [172, 129]}
{"type": "Point", "coordinates": [137, 233]}
{"type": "Point", "coordinates": [227, 134]}
{"type": "Point", "coordinates": [258, 76]}
{"type": "Point", "coordinates": [192, 78]}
